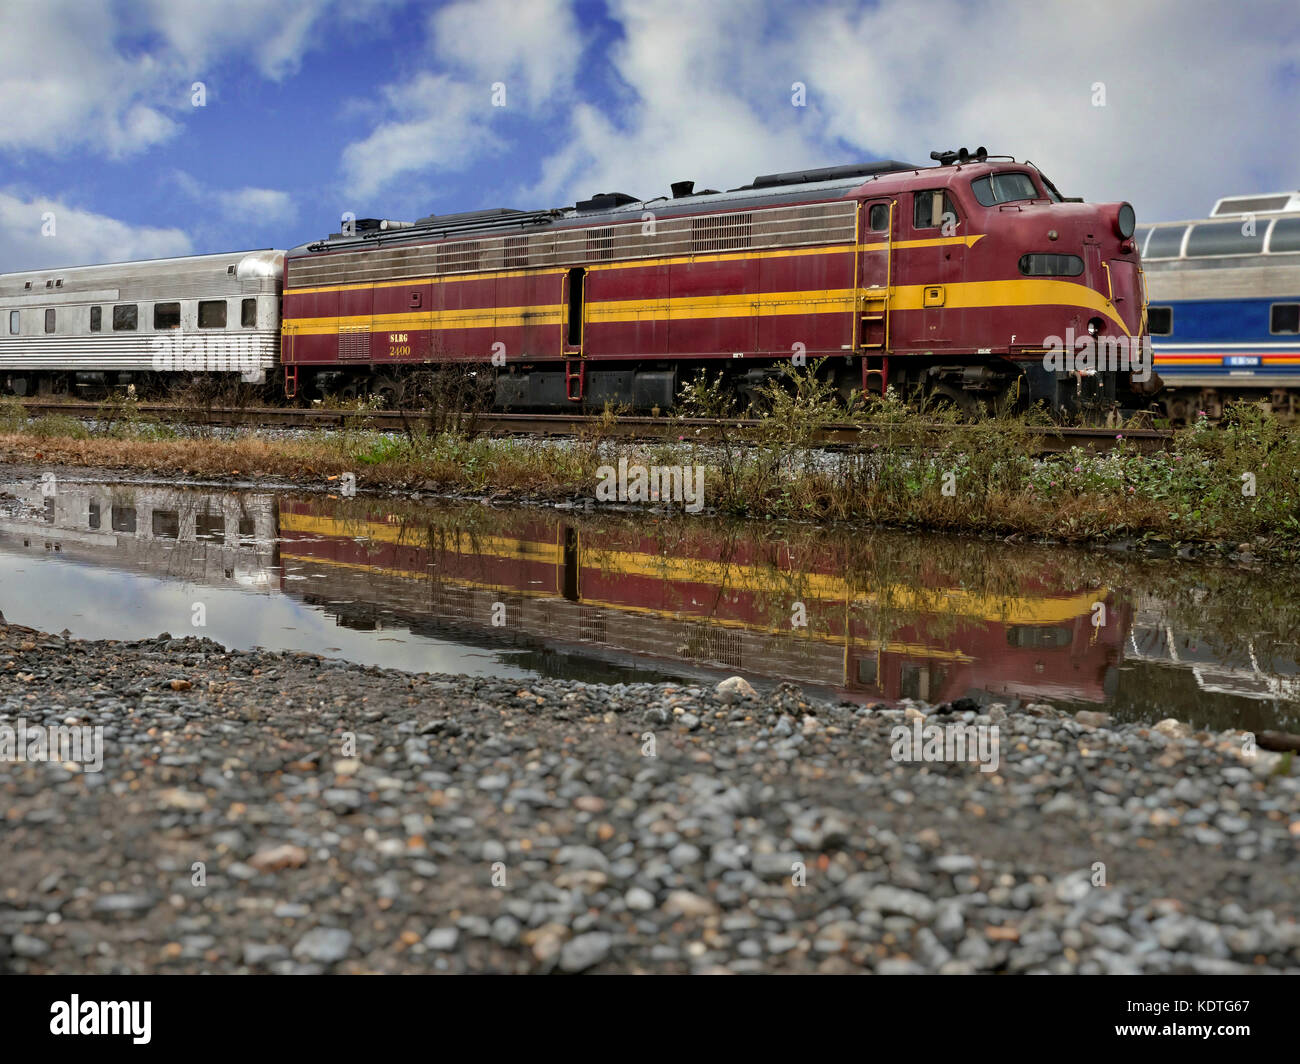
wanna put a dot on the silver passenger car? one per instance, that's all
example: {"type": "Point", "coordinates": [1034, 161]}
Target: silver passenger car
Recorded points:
{"type": "Point", "coordinates": [85, 328]}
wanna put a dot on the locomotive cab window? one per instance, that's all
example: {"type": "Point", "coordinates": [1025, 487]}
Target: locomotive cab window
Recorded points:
{"type": "Point", "coordinates": [126, 317]}
{"type": "Point", "coordinates": [929, 208]}
{"type": "Point", "coordinates": [1049, 265]}
{"type": "Point", "coordinates": [248, 313]}
{"type": "Point", "coordinates": [1160, 321]}
{"type": "Point", "coordinates": [1004, 188]}
{"type": "Point", "coordinates": [166, 315]}
{"type": "Point", "coordinates": [14, 318]}
{"type": "Point", "coordinates": [1284, 318]}
{"type": "Point", "coordinates": [212, 313]}
{"type": "Point", "coordinates": [49, 321]}
{"type": "Point", "coordinates": [878, 217]}
{"type": "Point", "coordinates": [96, 318]}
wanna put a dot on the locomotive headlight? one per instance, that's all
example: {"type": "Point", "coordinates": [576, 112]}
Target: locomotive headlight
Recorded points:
{"type": "Point", "coordinates": [1125, 221]}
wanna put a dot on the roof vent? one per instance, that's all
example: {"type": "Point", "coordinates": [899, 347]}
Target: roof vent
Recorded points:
{"type": "Point", "coordinates": [831, 173]}
{"type": "Point", "coordinates": [682, 188]}
{"type": "Point", "coordinates": [605, 201]}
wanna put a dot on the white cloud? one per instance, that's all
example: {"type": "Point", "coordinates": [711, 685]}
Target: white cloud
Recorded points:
{"type": "Point", "coordinates": [706, 102]}
{"type": "Point", "coordinates": [275, 36]}
{"type": "Point", "coordinates": [436, 123]}
{"type": "Point", "coordinates": [63, 84]}
{"type": "Point", "coordinates": [1195, 107]}
{"type": "Point", "coordinates": [534, 46]}
{"type": "Point", "coordinates": [80, 237]}
{"type": "Point", "coordinates": [1193, 104]}
{"type": "Point", "coordinates": [79, 76]}
{"type": "Point", "coordinates": [440, 118]}
{"type": "Point", "coordinates": [248, 205]}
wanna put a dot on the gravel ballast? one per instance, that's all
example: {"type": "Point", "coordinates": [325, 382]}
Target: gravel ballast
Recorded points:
{"type": "Point", "coordinates": [280, 812]}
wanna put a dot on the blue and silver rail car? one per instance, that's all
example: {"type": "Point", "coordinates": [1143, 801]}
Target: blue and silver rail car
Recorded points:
{"type": "Point", "coordinates": [87, 329]}
{"type": "Point", "coordinates": [1224, 307]}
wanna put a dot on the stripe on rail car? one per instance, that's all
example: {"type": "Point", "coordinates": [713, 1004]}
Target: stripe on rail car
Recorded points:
{"type": "Point", "coordinates": [964, 295]}
{"type": "Point", "coordinates": [628, 264]}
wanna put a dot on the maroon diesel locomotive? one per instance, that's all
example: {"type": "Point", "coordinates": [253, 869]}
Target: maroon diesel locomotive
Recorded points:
{"type": "Point", "coordinates": [966, 279]}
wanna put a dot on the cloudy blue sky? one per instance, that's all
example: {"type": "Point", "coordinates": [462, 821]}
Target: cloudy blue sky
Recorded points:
{"type": "Point", "coordinates": [386, 107]}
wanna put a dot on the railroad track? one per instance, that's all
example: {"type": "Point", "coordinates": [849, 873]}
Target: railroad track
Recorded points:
{"type": "Point", "coordinates": [1050, 438]}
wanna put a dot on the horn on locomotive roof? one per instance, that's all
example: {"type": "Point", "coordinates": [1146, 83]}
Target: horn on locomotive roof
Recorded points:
{"type": "Point", "coordinates": [961, 155]}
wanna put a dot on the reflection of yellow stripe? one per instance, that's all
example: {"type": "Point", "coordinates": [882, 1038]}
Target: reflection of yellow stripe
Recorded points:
{"type": "Point", "coordinates": [735, 577]}
{"type": "Point", "coordinates": [914, 650]}
{"type": "Point", "coordinates": [497, 275]}
{"type": "Point", "coordinates": [962, 295]}
{"type": "Point", "coordinates": [418, 536]}
{"type": "Point", "coordinates": [416, 574]}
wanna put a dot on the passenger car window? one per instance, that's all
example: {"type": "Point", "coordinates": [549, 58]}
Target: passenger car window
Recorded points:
{"type": "Point", "coordinates": [49, 321]}
{"type": "Point", "coordinates": [1284, 318]}
{"type": "Point", "coordinates": [1004, 188]}
{"type": "Point", "coordinates": [248, 314]}
{"type": "Point", "coordinates": [14, 318]}
{"type": "Point", "coordinates": [125, 317]}
{"type": "Point", "coordinates": [166, 315]}
{"type": "Point", "coordinates": [1224, 238]}
{"type": "Point", "coordinates": [1165, 243]}
{"type": "Point", "coordinates": [96, 318]}
{"type": "Point", "coordinates": [1160, 321]}
{"type": "Point", "coordinates": [212, 314]}
{"type": "Point", "coordinates": [1286, 235]}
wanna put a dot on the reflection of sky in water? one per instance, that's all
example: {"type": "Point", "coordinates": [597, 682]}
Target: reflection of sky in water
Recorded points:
{"type": "Point", "coordinates": [629, 609]}
{"type": "Point", "coordinates": [50, 593]}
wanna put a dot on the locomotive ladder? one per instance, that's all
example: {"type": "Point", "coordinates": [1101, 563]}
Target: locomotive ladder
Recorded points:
{"type": "Point", "coordinates": [873, 320]}
{"type": "Point", "coordinates": [574, 380]}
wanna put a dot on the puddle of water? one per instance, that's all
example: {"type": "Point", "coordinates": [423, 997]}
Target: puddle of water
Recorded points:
{"type": "Point", "coordinates": [863, 615]}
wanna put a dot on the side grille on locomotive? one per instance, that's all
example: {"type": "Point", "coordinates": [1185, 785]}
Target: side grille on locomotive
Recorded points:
{"type": "Point", "coordinates": [722, 232]}
{"type": "Point", "coordinates": [354, 342]}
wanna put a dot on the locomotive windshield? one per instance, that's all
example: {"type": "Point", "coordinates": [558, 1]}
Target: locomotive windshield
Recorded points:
{"type": "Point", "coordinates": [1004, 188]}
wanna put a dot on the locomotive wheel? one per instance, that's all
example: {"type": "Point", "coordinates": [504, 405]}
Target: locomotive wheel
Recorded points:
{"type": "Point", "coordinates": [754, 402]}
{"type": "Point", "coordinates": [943, 396]}
{"type": "Point", "coordinates": [389, 389]}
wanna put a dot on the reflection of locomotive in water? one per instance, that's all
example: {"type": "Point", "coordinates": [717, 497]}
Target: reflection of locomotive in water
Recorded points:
{"type": "Point", "coordinates": [708, 608]}
{"type": "Point", "coordinates": [178, 534]}
{"type": "Point", "coordinates": [685, 602]}
{"type": "Point", "coordinates": [1256, 667]}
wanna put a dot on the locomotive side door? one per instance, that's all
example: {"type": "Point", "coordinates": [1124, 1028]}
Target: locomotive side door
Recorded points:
{"type": "Point", "coordinates": [875, 267]}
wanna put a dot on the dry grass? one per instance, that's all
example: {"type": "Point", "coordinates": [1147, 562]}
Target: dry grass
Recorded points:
{"type": "Point", "coordinates": [981, 476]}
